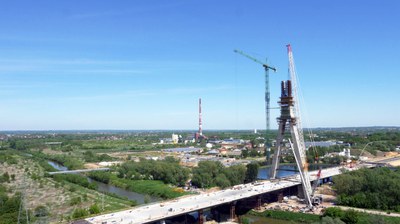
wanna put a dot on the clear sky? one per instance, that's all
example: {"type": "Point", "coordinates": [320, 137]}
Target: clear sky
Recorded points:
{"type": "Point", "coordinates": [144, 64]}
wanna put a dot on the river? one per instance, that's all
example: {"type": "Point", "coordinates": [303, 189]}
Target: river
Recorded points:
{"type": "Point", "coordinates": [107, 188]}
{"type": "Point", "coordinates": [286, 170]}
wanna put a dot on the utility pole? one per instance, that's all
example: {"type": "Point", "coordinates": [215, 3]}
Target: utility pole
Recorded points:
{"type": "Point", "coordinates": [267, 96]}
{"type": "Point", "coordinates": [22, 204]}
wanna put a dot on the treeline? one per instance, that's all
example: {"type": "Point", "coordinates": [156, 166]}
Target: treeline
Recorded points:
{"type": "Point", "coordinates": [76, 179]}
{"type": "Point", "coordinates": [68, 161]}
{"type": "Point", "coordinates": [151, 187]}
{"type": "Point", "coordinates": [168, 171]}
{"type": "Point", "coordinates": [212, 173]}
{"type": "Point", "coordinates": [331, 215]}
{"type": "Point", "coordinates": [377, 188]}
{"type": "Point", "coordinates": [335, 215]}
{"type": "Point", "coordinates": [92, 157]}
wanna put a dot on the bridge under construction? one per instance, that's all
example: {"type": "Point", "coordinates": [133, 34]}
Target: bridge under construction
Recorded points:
{"type": "Point", "coordinates": [289, 120]}
{"type": "Point", "coordinates": [161, 211]}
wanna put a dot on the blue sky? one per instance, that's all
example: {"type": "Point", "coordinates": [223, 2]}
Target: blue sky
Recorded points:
{"type": "Point", "coordinates": [144, 64]}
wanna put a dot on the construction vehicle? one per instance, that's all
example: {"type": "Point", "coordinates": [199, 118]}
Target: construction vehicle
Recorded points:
{"type": "Point", "coordinates": [316, 200]}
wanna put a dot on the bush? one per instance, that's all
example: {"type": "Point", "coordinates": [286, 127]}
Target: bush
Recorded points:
{"type": "Point", "coordinates": [41, 211]}
{"type": "Point", "coordinates": [350, 217]}
{"type": "Point", "coordinates": [75, 201]}
{"type": "Point", "coordinates": [79, 213]}
{"type": "Point", "coordinates": [5, 178]}
{"type": "Point", "coordinates": [94, 209]}
{"type": "Point", "coordinates": [333, 212]}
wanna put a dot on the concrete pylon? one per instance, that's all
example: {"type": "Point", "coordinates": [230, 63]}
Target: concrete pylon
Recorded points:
{"type": "Point", "coordinates": [288, 119]}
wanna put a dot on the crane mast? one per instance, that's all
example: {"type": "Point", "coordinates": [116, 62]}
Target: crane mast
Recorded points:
{"type": "Point", "coordinates": [267, 94]}
{"type": "Point", "coordinates": [293, 78]}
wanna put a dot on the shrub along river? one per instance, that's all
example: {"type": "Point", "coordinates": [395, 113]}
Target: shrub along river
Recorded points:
{"type": "Point", "coordinates": [107, 188]}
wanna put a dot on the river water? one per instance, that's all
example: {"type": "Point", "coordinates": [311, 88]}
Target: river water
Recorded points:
{"type": "Point", "coordinates": [285, 170]}
{"type": "Point", "coordinates": [107, 188]}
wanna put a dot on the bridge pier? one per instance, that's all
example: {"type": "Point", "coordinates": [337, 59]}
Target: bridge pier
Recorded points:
{"type": "Point", "coordinates": [201, 216]}
{"type": "Point", "coordinates": [280, 197]}
{"type": "Point", "coordinates": [259, 203]}
{"type": "Point", "coordinates": [233, 210]}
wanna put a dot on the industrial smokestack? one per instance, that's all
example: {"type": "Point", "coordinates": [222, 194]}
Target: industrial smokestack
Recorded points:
{"type": "Point", "coordinates": [200, 125]}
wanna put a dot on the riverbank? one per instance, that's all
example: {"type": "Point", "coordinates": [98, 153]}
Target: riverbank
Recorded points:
{"type": "Point", "coordinates": [149, 187]}
{"type": "Point", "coordinates": [28, 177]}
{"type": "Point", "coordinates": [106, 188]}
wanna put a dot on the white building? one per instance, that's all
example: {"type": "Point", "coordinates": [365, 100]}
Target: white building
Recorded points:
{"type": "Point", "coordinates": [175, 138]}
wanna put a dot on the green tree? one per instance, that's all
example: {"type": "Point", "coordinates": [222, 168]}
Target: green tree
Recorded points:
{"type": "Point", "coordinates": [251, 172]}
{"type": "Point", "coordinates": [222, 181]}
{"type": "Point", "coordinates": [236, 174]}
{"type": "Point", "coordinates": [245, 153]}
{"type": "Point", "coordinates": [205, 173]}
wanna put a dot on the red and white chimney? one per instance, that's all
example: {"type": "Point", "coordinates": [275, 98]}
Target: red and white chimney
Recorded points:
{"type": "Point", "coordinates": [200, 125]}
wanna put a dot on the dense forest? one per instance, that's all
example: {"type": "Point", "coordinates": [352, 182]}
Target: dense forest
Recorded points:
{"type": "Point", "coordinates": [377, 188]}
{"type": "Point", "coordinates": [169, 171]}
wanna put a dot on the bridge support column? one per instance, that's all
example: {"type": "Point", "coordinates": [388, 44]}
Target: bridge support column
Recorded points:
{"type": "Point", "coordinates": [201, 216]}
{"type": "Point", "coordinates": [280, 197]}
{"type": "Point", "coordinates": [300, 192]}
{"type": "Point", "coordinates": [233, 210]}
{"type": "Point", "coordinates": [162, 222]}
{"type": "Point", "coordinates": [258, 205]}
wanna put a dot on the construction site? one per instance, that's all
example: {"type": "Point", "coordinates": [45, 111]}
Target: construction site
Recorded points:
{"type": "Point", "coordinates": [297, 193]}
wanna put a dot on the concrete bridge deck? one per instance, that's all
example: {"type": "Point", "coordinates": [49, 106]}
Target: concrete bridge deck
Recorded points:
{"type": "Point", "coordinates": [166, 209]}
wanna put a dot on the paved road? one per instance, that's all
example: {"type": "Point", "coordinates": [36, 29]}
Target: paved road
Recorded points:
{"type": "Point", "coordinates": [370, 211]}
{"type": "Point", "coordinates": [163, 210]}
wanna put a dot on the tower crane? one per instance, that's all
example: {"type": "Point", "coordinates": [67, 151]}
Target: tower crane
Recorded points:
{"type": "Point", "coordinates": [267, 93]}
